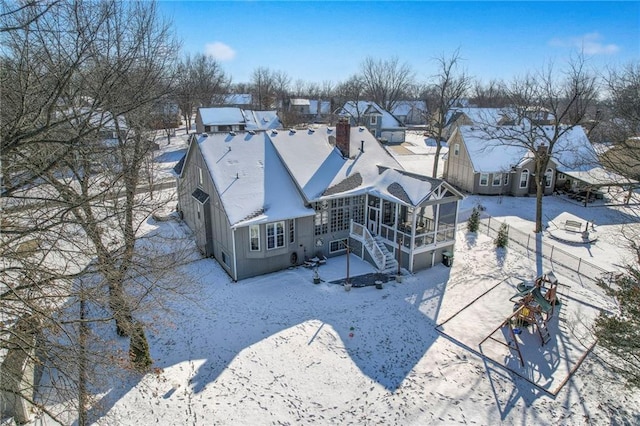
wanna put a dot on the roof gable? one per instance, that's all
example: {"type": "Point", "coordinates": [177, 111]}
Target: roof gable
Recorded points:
{"type": "Point", "coordinates": [491, 150]}
{"type": "Point", "coordinates": [252, 183]}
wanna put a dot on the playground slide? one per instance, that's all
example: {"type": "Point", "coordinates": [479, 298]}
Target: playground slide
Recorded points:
{"type": "Point", "coordinates": [540, 300]}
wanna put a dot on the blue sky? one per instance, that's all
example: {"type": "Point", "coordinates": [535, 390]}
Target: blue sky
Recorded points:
{"type": "Point", "coordinates": [319, 41]}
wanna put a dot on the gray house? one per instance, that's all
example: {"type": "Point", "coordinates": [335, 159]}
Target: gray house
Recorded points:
{"type": "Point", "coordinates": [380, 122]}
{"type": "Point", "coordinates": [232, 119]}
{"type": "Point", "coordinates": [263, 201]}
{"type": "Point", "coordinates": [411, 112]}
{"type": "Point", "coordinates": [487, 162]}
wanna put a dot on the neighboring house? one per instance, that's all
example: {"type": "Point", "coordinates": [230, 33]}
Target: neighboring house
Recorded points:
{"type": "Point", "coordinates": [411, 112]}
{"type": "Point", "coordinates": [309, 110]}
{"type": "Point", "coordinates": [263, 201]}
{"type": "Point", "coordinates": [300, 106]}
{"type": "Point", "coordinates": [232, 119]}
{"type": "Point", "coordinates": [457, 117]}
{"type": "Point", "coordinates": [319, 110]}
{"type": "Point", "coordinates": [238, 100]}
{"type": "Point", "coordinates": [624, 158]}
{"type": "Point", "coordinates": [485, 164]}
{"type": "Point", "coordinates": [380, 122]}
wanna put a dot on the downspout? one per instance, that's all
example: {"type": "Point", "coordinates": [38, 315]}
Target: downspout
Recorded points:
{"type": "Point", "coordinates": [235, 257]}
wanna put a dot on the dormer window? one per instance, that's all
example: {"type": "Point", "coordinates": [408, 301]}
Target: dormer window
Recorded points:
{"type": "Point", "coordinates": [374, 120]}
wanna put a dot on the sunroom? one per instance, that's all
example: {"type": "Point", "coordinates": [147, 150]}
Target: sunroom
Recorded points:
{"type": "Point", "coordinates": [414, 217]}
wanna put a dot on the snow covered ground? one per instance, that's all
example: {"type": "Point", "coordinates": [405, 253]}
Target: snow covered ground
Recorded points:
{"type": "Point", "coordinates": [278, 349]}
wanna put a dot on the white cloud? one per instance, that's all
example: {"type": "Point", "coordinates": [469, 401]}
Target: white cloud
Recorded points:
{"type": "Point", "coordinates": [220, 51]}
{"type": "Point", "coordinates": [590, 44]}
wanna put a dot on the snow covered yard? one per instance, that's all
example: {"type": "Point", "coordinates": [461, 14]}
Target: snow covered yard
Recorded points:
{"type": "Point", "coordinates": [278, 349]}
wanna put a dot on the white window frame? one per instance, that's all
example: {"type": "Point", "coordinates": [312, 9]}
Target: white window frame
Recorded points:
{"type": "Point", "coordinates": [548, 177]}
{"type": "Point", "coordinates": [506, 179]}
{"type": "Point", "coordinates": [524, 183]}
{"type": "Point", "coordinates": [497, 176]}
{"type": "Point", "coordinates": [278, 234]}
{"type": "Point", "coordinates": [341, 247]}
{"type": "Point", "coordinates": [254, 233]}
{"type": "Point", "coordinates": [486, 179]}
{"type": "Point", "coordinates": [292, 231]}
{"type": "Point", "coordinates": [456, 149]}
{"type": "Point", "coordinates": [373, 120]}
{"type": "Point", "coordinates": [200, 177]}
{"type": "Point", "coordinates": [198, 210]}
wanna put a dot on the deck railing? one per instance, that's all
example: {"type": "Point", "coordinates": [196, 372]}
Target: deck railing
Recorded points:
{"type": "Point", "coordinates": [362, 234]}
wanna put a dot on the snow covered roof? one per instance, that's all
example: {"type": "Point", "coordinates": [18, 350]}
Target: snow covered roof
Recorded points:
{"type": "Point", "coordinates": [221, 116]}
{"type": "Point", "coordinates": [361, 108]}
{"type": "Point", "coordinates": [299, 102]}
{"type": "Point", "coordinates": [598, 176]}
{"type": "Point", "coordinates": [405, 107]}
{"type": "Point", "coordinates": [494, 150]}
{"type": "Point", "coordinates": [320, 170]}
{"type": "Point", "coordinates": [489, 116]}
{"type": "Point", "coordinates": [403, 187]}
{"type": "Point", "coordinates": [253, 120]}
{"type": "Point", "coordinates": [237, 99]}
{"type": "Point", "coordinates": [262, 120]}
{"type": "Point", "coordinates": [324, 107]}
{"type": "Point", "coordinates": [253, 184]}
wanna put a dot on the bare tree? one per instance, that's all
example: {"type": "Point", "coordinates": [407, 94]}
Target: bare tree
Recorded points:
{"type": "Point", "coordinates": [351, 91]}
{"type": "Point", "coordinates": [490, 95]}
{"type": "Point", "coordinates": [75, 139]}
{"type": "Point", "coordinates": [201, 81]}
{"type": "Point", "coordinates": [623, 126]}
{"type": "Point", "coordinates": [386, 82]}
{"type": "Point", "coordinates": [263, 83]}
{"type": "Point", "coordinates": [449, 85]}
{"type": "Point", "coordinates": [546, 106]}
{"type": "Point", "coordinates": [281, 87]}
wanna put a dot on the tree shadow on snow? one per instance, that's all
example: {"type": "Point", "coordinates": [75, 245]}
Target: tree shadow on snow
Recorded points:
{"type": "Point", "coordinates": [399, 322]}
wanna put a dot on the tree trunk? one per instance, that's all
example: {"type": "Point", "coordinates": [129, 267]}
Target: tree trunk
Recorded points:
{"type": "Point", "coordinates": [540, 185]}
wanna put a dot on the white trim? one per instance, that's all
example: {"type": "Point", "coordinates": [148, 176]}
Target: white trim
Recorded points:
{"type": "Point", "coordinates": [274, 226]}
{"type": "Point", "coordinates": [493, 181]}
{"type": "Point", "coordinates": [252, 227]}
{"type": "Point", "coordinates": [524, 173]}
{"type": "Point", "coordinates": [548, 177]}
{"type": "Point", "coordinates": [342, 247]}
{"type": "Point", "coordinates": [486, 180]}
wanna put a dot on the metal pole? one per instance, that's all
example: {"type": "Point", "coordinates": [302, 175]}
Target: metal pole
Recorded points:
{"type": "Point", "coordinates": [348, 256]}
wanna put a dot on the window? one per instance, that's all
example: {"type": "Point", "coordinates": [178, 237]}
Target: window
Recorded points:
{"type": "Point", "coordinates": [506, 179]}
{"type": "Point", "coordinates": [200, 178]}
{"type": "Point", "coordinates": [524, 178]}
{"type": "Point", "coordinates": [374, 120]}
{"type": "Point", "coordinates": [225, 259]}
{"type": "Point", "coordinates": [456, 149]}
{"type": "Point", "coordinates": [292, 231]}
{"type": "Point", "coordinates": [338, 245]}
{"type": "Point", "coordinates": [484, 179]}
{"type": "Point", "coordinates": [548, 178]}
{"type": "Point", "coordinates": [497, 179]}
{"type": "Point", "coordinates": [198, 209]}
{"type": "Point", "coordinates": [561, 176]}
{"type": "Point", "coordinates": [254, 237]}
{"type": "Point", "coordinates": [275, 235]}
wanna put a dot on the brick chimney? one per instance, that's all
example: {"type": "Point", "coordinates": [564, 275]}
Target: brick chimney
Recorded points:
{"type": "Point", "coordinates": [343, 135]}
